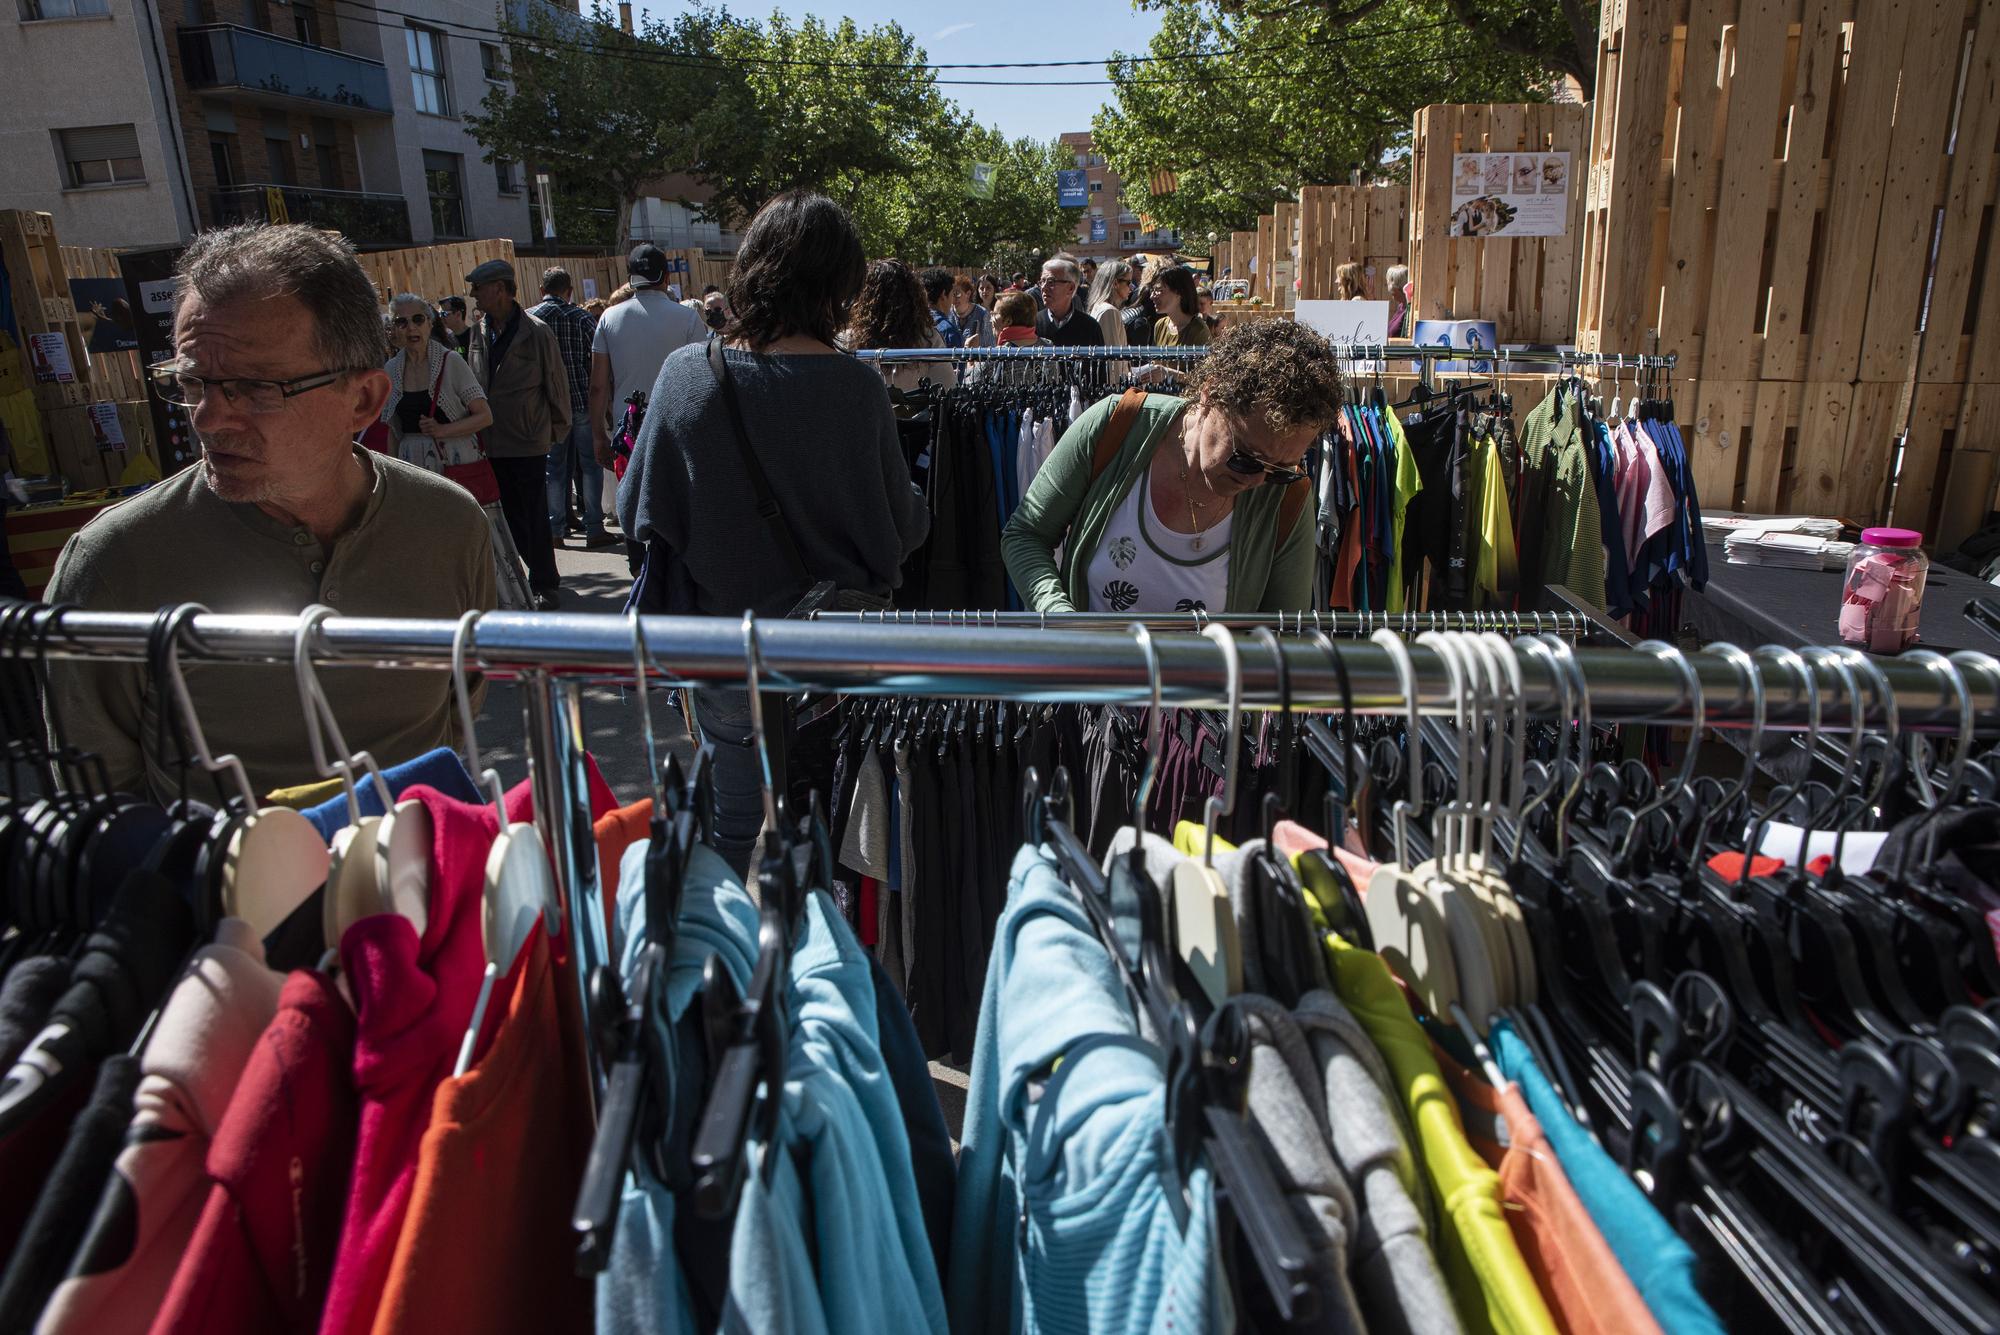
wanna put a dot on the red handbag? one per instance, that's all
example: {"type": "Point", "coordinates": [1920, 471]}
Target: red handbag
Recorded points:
{"type": "Point", "coordinates": [478, 476]}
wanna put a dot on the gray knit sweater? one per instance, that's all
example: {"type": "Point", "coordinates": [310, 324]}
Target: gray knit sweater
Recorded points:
{"type": "Point", "coordinates": [823, 430]}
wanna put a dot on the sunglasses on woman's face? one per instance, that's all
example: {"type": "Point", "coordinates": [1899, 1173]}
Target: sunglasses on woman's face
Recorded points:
{"type": "Point", "coordinates": [1246, 464]}
{"type": "Point", "coordinates": [403, 321]}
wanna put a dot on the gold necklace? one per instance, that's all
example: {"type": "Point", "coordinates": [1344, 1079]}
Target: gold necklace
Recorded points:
{"type": "Point", "coordinates": [1188, 496]}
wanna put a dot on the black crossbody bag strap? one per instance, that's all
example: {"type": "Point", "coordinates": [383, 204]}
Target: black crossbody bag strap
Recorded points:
{"type": "Point", "coordinates": [767, 503]}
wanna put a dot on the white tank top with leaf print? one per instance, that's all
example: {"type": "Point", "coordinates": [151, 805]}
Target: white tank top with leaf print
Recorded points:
{"type": "Point", "coordinates": [1143, 566]}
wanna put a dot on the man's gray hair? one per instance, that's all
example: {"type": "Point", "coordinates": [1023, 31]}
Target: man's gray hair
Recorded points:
{"type": "Point", "coordinates": [1064, 264]}
{"type": "Point", "coordinates": [258, 261]}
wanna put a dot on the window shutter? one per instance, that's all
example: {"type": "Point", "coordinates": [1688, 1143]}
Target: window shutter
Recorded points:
{"type": "Point", "coordinates": [99, 143]}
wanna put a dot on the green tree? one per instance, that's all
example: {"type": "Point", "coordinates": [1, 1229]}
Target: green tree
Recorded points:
{"type": "Point", "coordinates": [829, 109]}
{"type": "Point", "coordinates": [604, 111]}
{"type": "Point", "coordinates": [1311, 91]}
{"type": "Point", "coordinates": [926, 213]}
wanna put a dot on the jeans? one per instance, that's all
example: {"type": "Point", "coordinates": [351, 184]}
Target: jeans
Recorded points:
{"type": "Point", "coordinates": [723, 714]}
{"type": "Point", "coordinates": [575, 453]}
{"type": "Point", "coordinates": [524, 500]}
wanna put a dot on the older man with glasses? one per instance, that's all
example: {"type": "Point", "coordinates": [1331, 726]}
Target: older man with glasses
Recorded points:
{"type": "Point", "coordinates": [278, 357]}
{"type": "Point", "coordinates": [1063, 321]}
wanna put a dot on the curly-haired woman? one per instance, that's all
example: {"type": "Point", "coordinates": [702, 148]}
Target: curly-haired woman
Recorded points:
{"type": "Point", "coordinates": [1181, 517]}
{"type": "Point", "coordinates": [891, 313]}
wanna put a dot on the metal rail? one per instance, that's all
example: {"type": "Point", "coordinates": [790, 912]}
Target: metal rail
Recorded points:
{"type": "Point", "coordinates": [1049, 665]}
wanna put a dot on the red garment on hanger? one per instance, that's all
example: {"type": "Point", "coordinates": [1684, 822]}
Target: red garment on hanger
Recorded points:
{"type": "Point", "coordinates": [263, 1249]}
{"type": "Point", "coordinates": [497, 1177]}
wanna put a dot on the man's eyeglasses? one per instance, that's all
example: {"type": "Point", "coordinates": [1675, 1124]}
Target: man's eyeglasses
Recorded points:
{"type": "Point", "coordinates": [1246, 464]}
{"type": "Point", "coordinates": [404, 321]}
{"type": "Point", "coordinates": [258, 396]}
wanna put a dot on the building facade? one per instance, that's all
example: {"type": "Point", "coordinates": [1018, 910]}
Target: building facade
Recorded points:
{"type": "Point", "coordinates": [90, 135]}
{"type": "Point", "coordinates": [198, 113]}
{"type": "Point", "coordinates": [1109, 228]}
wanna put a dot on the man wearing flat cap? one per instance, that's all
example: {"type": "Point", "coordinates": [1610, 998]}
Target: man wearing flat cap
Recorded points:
{"type": "Point", "coordinates": [519, 363]}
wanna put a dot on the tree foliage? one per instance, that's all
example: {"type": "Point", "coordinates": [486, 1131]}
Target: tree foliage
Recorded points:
{"type": "Point", "coordinates": [757, 108]}
{"type": "Point", "coordinates": [1310, 91]}
{"type": "Point", "coordinates": [603, 111]}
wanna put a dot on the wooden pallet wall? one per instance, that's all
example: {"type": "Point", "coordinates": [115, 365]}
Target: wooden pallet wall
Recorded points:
{"type": "Point", "coordinates": [1527, 287]}
{"type": "Point", "coordinates": [64, 441]}
{"type": "Point", "coordinates": [1350, 224]}
{"type": "Point", "coordinates": [1795, 196]}
{"type": "Point", "coordinates": [1267, 245]}
{"type": "Point", "coordinates": [436, 272]}
{"type": "Point", "coordinates": [115, 375]}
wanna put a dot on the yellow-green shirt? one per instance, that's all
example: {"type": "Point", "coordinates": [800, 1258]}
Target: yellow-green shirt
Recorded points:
{"type": "Point", "coordinates": [1482, 1263]}
{"type": "Point", "coordinates": [1406, 484]}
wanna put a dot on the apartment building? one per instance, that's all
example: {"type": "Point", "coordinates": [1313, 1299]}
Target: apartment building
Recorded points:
{"type": "Point", "coordinates": [199, 113]}
{"type": "Point", "coordinates": [1109, 229]}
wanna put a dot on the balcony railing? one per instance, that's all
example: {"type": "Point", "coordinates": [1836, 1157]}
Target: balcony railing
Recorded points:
{"type": "Point", "coordinates": [366, 220]}
{"type": "Point", "coordinates": [267, 67]}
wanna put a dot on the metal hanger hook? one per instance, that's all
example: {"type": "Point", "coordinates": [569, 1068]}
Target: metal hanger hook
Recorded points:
{"type": "Point", "coordinates": [318, 713]}
{"type": "Point", "coordinates": [752, 666]}
{"type": "Point", "coordinates": [1225, 805]}
{"type": "Point", "coordinates": [642, 662]}
{"type": "Point", "coordinates": [461, 641]}
{"type": "Point", "coordinates": [1156, 733]}
{"type": "Point", "coordinates": [177, 682]}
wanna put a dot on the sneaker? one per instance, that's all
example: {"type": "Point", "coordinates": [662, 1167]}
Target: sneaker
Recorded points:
{"type": "Point", "coordinates": [598, 541]}
{"type": "Point", "coordinates": [547, 602]}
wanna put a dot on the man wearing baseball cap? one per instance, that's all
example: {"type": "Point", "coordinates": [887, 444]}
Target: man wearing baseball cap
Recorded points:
{"type": "Point", "coordinates": [633, 338]}
{"type": "Point", "coordinates": [519, 364]}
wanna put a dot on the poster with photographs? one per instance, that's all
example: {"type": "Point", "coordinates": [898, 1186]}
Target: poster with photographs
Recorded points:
{"type": "Point", "coordinates": [1509, 194]}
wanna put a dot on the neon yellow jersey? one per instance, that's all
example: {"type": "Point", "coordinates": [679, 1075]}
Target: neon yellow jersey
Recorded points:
{"type": "Point", "coordinates": [1482, 1263]}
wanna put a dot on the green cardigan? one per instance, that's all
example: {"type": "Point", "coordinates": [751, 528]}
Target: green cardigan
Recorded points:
{"type": "Point", "coordinates": [1065, 508]}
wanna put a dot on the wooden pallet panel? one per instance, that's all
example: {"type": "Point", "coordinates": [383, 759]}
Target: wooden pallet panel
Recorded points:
{"type": "Point", "coordinates": [1815, 81]}
{"type": "Point", "coordinates": [1267, 234]}
{"type": "Point", "coordinates": [1814, 485]}
{"type": "Point", "coordinates": [42, 305]}
{"type": "Point", "coordinates": [1961, 340]}
{"type": "Point", "coordinates": [1969, 477]}
{"type": "Point", "coordinates": [1914, 181]}
{"type": "Point", "coordinates": [1854, 209]}
{"type": "Point", "coordinates": [112, 375]}
{"type": "Point", "coordinates": [1875, 425]}
{"type": "Point", "coordinates": [1629, 167]}
{"type": "Point", "coordinates": [1933, 422]}
{"type": "Point", "coordinates": [1284, 218]}
{"type": "Point", "coordinates": [1732, 346]}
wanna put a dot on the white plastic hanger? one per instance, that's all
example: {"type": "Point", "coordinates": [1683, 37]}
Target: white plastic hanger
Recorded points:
{"type": "Point", "coordinates": [353, 888]}
{"type": "Point", "coordinates": [276, 858]}
{"type": "Point", "coordinates": [1404, 917]}
{"type": "Point", "coordinates": [1204, 923]}
{"type": "Point", "coordinates": [520, 885]}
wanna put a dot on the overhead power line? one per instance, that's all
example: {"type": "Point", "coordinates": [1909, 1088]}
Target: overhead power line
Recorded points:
{"type": "Point", "coordinates": [364, 12]}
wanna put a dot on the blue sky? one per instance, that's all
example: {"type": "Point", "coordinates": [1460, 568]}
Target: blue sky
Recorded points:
{"type": "Point", "coordinates": [1002, 30]}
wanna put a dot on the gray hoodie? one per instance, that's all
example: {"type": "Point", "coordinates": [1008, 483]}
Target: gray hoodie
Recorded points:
{"type": "Point", "coordinates": [1394, 1268]}
{"type": "Point", "coordinates": [1287, 1109]}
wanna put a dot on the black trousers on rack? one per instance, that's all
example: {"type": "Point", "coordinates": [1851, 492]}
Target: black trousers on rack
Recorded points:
{"type": "Point", "coordinates": [524, 499]}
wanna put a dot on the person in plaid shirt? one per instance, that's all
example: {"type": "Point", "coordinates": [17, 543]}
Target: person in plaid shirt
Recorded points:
{"type": "Point", "coordinates": [574, 329]}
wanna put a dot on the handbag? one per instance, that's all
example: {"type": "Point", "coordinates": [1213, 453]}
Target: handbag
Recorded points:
{"type": "Point", "coordinates": [820, 595]}
{"type": "Point", "coordinates": [477, 476]}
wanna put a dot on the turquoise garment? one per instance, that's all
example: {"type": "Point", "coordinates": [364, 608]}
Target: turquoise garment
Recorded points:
{"type": "Point", "coordinates": [1660, 1264]}
{"type": "Point", "coordinates": [644, 1287]}
{"type": "Point", "coordinates": [1069, 1214]}
{"type": "Point", "coordinates": [841, 1118]}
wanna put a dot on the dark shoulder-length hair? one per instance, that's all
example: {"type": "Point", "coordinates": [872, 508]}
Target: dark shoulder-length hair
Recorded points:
{"type": "Point", "coordinates": [1179, 280]}
{"type": "Point", "coordinates": [891, 311]}
{"type": "Point", "coordinates": [797, 271]}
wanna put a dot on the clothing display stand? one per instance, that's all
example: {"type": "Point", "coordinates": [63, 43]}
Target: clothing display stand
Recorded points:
{"type": "Point", "coordinates": [553, 655]}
